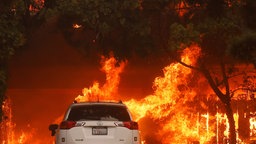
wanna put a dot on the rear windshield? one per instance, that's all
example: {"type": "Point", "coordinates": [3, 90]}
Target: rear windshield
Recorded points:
{"type": "Point", "coordinates": [99, 112]}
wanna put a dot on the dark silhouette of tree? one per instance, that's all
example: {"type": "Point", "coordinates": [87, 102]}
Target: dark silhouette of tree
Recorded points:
{"type": "Point", "coordinates": [11, 35]}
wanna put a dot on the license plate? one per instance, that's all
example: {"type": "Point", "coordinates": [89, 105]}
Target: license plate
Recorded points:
{"type": "Point", "coordinates": [99, 131]}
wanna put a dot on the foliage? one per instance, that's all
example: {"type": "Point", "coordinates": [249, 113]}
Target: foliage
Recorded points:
{"type": "Point", "coordinates": [10, 32]}
{"type": "Point", "coordinates": [182, 37]}
{"type": "Point", "coordinates": [243, 48]}
{"type": "Point", "coordinates": [249, 14]}
{"type": "Point", "coordinates": [114, 25]}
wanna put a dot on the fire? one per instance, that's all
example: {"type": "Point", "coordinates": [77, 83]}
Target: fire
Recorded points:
{"type": "Point", "coordinates": [109, 89]}
{"type": "Point", "coordinates": [171, 106]}
{"type": "Point", "coordinates": [76, 26]}
{"type": "Point", "coordinates": [23, 138]}
{"type": "Point", "coordinates": [7, 125]}
{"type": "Point", "coordinates": [181, 8]}
{"type": "Point", "coordinates": [167, 106]}
{"type": "Point", "coordinates": [253, 127]}
{"type": "Point", "coordinates": [36, 6]}
{"type": "Point", "coordinates": [165, 98]}
{"type": "Point", "coordinates": [9, 135]}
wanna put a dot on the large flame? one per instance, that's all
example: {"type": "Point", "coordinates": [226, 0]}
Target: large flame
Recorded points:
{"type": "Point", "coordinates": [167, 95]}
{"type": "Point", "coordinates": [171, 107]}
{"type": "Point", "coordinates": [168, 105]}
{"type": "Point", "coordinates": [109, 90]}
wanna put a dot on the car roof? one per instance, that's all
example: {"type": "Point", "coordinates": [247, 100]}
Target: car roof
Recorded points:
{"type": "Point", "coordinates": [120, 103]}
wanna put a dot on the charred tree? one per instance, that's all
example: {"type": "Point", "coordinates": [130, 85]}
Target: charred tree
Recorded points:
{"type": "Point", "coordinates": [224, 98]}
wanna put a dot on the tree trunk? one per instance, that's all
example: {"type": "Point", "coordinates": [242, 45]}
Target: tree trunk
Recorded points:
{"type": "Point", "coordinates": [231, 121]}
{"type": "Point", "coordinates": [3, 87]}
{"type": "Point", "coordinates": [225, 99]}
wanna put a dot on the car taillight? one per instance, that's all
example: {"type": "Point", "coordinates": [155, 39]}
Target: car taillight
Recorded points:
{"type": "Point", "coordinates": [67, 124]}
{"type": "Point", "coordinates": [131, 125]}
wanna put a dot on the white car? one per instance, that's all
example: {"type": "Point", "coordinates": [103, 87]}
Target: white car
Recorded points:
{"type": "Point", "coordinates": [97, 123]}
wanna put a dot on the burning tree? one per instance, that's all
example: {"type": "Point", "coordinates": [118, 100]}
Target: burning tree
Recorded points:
{"type": "Point", "coordinates": [217, 31]}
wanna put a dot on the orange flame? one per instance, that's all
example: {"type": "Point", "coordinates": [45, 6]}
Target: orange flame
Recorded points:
{"type": "Point", "coordinates": [36, 6]}
{"type": "Point", "coordinates": [7, 126]}
{"type": "Point", "coordinates": [168, 103]}
{"type": "Point", "coordinates": [76, 26]}
{"type": "Point", "coordinates": [253, 127]}
{"type": "Point", "coordinates": [9, 135]}
{"type": "Point", "coordinates": [165, 96]}
{"type": "Point", "coordinates": [181, 8]}
{"type": "Point", "coordinates": [109, 89]}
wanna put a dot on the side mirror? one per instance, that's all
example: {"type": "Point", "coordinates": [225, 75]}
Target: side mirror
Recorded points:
{"type": "Point", "coordinates": [53, 128]}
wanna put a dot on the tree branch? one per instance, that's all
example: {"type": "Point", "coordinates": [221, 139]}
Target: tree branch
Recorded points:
{"type": "Point", "coordinates": [225, 78]}
{"type": "Point", "coordinates": [188, 66]}
{"type": "Point", "coordinates": [214, 86]}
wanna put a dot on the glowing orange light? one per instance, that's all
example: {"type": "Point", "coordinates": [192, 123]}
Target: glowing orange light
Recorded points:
{"type": "Point", "coordinates": [253, 127]}
{"type": "Point", "coordinates": [76, 26]}
{"type": "Point", "coordinates": [7, 126]}
{"type": "Point", "coordinates": [181, 8]}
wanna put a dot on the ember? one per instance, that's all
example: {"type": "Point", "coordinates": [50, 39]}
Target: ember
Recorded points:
{"type": "Point", "coordinates": [76, 26]}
